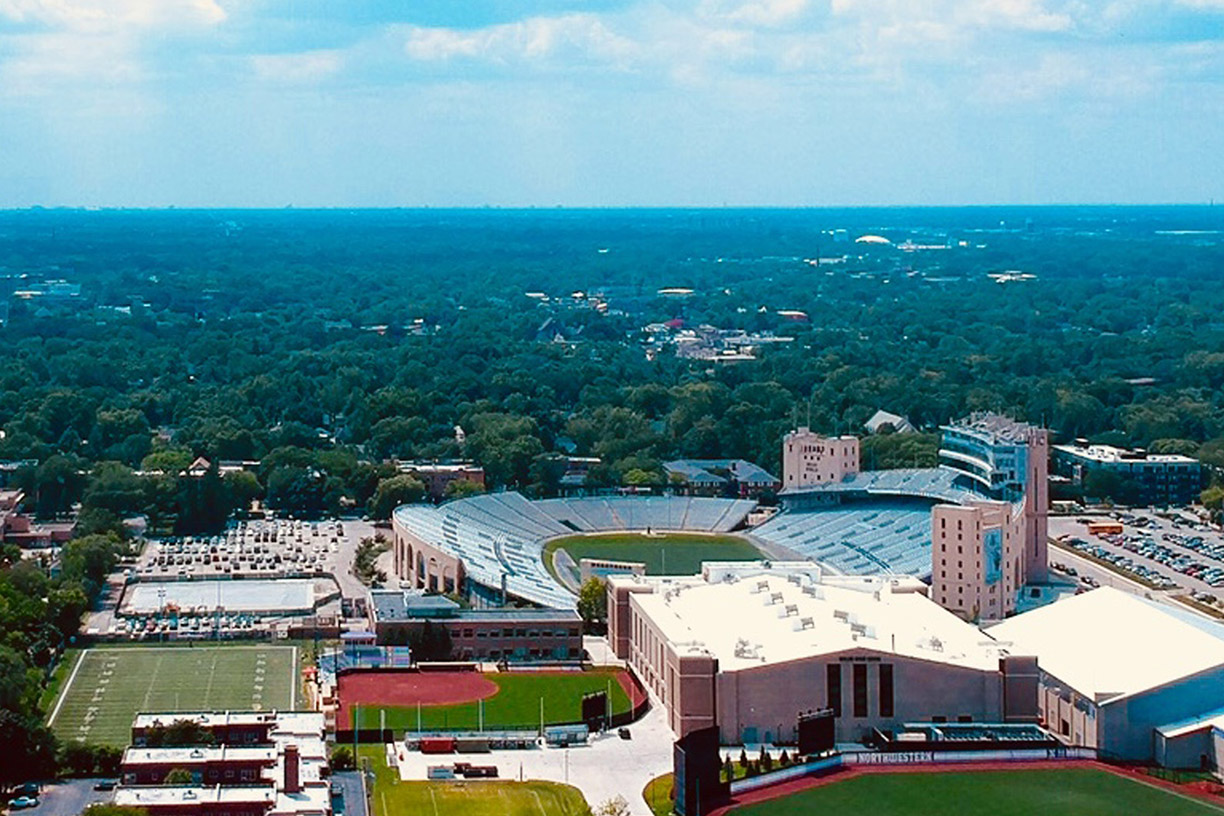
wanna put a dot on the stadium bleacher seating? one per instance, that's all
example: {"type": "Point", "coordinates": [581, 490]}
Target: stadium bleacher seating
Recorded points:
{"type": "Point", "coordinates": [501, 535]}
{"type": "Point", "coordinates": [859, 537]}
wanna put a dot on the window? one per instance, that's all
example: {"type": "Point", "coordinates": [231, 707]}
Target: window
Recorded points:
{"type": "Point", "coordinates": [860, 690]}
{"type": "Point", "coordinates": [886, 690]}
{"type": "Point", "coordinates": [833, 689]}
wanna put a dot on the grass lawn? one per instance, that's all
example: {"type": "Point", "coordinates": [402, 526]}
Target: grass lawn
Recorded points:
{"type": "Point", "coordinates": [667, 554]}
{"type": "Point", "coordinates": [515, 705]}
{"type": "Point", "coordinates": [658, 794]}
{"type": "Point", "coordinates": [1073, 792]}
{"type": "Point", "coordinates": [104, 688]}
{"type": "Point", "coordinates": [391, 797]}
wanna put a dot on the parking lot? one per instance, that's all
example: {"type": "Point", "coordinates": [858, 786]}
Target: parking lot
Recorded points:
{"type": "Point", "coordinates": [67, 798]}
{"type": "Point", "coordinates": [1169, 549]}
{"type": "Point", "coordinates": [278, 548]}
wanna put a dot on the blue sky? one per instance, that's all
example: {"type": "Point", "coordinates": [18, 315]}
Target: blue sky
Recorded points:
{"type": "Point", "coordinates": [610, 102]}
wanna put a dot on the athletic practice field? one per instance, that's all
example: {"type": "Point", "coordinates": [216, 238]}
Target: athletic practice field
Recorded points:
{"type": "Point", "coordinates": [663, 554]}
{"type": "Point", "coordinates": [1071, 792]}
{"type": "Point", "coordinates": [107, 687]}
{"type": "Point", "coordinates": [449, 700]}
{"type": "Point", "coordinates": [391, 797]}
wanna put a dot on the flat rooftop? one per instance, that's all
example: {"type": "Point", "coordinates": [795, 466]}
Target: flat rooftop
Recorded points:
{"type": "Point", "coordinates": [394, 606]}
{"type": "Point", "coordinates": [752, 616]}
{"type": "Point", "coordinates": [1107, 643]}
{"type": "Point", "coordinates": [304, 723]}
{"type": "Point", "coordinates": [995, 427]}
{"type": "Point", "coordinates": [1108, 454]}
{"type": "Point", "coordinates": [259, 596]}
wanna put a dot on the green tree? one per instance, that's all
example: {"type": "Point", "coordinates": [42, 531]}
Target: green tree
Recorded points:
{"type": "Point", "coordinates": [179, 776]}
{"type": "Point", "coordinates": [391, 493]}
{"type": "Point", "coordinates": [30, 748]}
{"type": "Point", "coordinates": [342, 758]}
{"type": "Point", "coordinates": [106, 809]}
{"type": "Point", "coordinates": [461, 488]}
{"type": "Point", "coordinates": [593, 604]}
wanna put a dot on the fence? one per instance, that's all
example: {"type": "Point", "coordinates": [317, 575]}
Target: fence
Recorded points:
{"type": "Point", "coordinates": [894, 758]}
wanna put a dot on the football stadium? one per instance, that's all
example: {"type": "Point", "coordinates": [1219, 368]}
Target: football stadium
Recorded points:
{"type": "Point", "coordinates": [991, 482]}
{"type": "Point", "coordinates": [492, 547]}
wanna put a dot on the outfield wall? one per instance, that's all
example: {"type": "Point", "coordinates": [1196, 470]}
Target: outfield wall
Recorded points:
{"type": "Point", "coordinates": [909, 758]}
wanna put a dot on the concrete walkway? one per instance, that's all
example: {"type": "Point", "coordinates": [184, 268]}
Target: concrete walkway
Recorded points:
{"type": "Point", "coordinates": [606, 767]}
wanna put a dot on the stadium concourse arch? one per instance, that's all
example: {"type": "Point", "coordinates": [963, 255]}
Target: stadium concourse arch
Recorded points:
{"type": "Point", "coordinates": [491, 547]}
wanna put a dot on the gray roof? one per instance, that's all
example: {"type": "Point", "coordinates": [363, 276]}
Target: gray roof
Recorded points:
{"type": "Point", "coordinates": [706, 471]}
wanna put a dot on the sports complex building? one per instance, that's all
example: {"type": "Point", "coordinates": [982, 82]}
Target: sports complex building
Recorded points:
{"type": "Point", "coordinates": [747, 646]}
{"type": "Point", "coordinates": [891, 597]}
{"type": "Point", "coordinates": [491, 547]}
{"type": "Point", "coordinates": [975, 527]}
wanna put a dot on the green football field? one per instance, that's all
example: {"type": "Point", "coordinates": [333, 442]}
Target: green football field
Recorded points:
{"type": "Point", "coordinates": [1073, 792]}
{"type": "Point", "coordinates": [485, 797]}
{"type": "Point", "coordinates": [107, 687]}
{"type": "Point", "coordinates": [665, 554]}
{"type": "Point", "coordinates": [515, 705]}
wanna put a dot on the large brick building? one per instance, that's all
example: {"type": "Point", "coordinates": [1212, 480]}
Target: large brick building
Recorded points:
{"type": "Point", "coordinates": [748, 646]}
{"type": "Point", "coordinates": [259, 764]}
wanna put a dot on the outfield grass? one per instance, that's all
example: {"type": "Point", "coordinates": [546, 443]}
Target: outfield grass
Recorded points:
{"type": "Point", "coordinates": [105, 688]}
{"type": "Point", "coordinates": [663, 554]}
{"type": "Point", "coordinates": [391, 797]}
{"type": "Point", "coordinates": [515, 705]}
{"type": "Point", "coordinates": [1073, 792]}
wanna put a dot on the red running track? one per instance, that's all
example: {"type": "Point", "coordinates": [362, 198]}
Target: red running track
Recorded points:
{"type": "Point", "coordinates": [407, 688]}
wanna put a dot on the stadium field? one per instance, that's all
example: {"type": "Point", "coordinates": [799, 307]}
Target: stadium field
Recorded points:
{"type": "Point", "coordinates": [515, 703]}
{"type": "Point", "coordinates": [107, 687]}
{"type": "Point", "coordinates": [663, 554]}
{"type": "Point", "coordinates": [1070, 792]}
{"type": "Point", "coordinates": [392, 797]}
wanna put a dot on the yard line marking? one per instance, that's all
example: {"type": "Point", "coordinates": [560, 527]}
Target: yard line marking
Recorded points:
{"type": "Point", "coordinates": [64, 691]}
{"type": "Point", "coordinates": [152, 682]}
{"type": "Point", "coordinates": [293, 675]}
{"type": "Point", "coordinates": [208, 689]}
{"type": "Point", "coordinates": [433, 799]}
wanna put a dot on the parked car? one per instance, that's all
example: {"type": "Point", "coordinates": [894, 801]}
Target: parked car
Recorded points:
{"type": "Point", "coordinates": [23, 802]}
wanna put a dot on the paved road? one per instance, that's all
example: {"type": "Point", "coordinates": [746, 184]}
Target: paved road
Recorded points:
{"type": "Point", "coordinates": [68, 798]}
{"type": "Point", "coordinates": [605, 768]}
{"type": "Point", "coordinates": [351, 801]}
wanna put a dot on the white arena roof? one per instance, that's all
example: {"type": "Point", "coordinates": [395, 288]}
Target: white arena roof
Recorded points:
{"type": "Point", "coordinates": [749, 615]}
{"type": "Point", "coordinates": [286, 596]}
{"type": "Point", "coordinates": [1107, 643]}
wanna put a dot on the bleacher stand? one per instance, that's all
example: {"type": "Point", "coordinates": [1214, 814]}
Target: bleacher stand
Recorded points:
{"type": "Point", "coordinates": [500, 536]}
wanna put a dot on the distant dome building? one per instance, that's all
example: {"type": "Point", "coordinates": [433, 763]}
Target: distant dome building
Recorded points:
{"type": "Point", "coordinates": [872, 239]}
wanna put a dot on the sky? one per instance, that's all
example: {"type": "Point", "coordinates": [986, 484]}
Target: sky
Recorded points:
{"type": "Point", "coordinates": [507, 103]}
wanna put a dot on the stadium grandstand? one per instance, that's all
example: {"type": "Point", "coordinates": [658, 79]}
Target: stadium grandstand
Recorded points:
{"type": "Point", "coordinates": [974, 527]}
{"type": "Point", "coordinates": [868, 523]}
{"type": "Point", "coordinates": [490, 547]}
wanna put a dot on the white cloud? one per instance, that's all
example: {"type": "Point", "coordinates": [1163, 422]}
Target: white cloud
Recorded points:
{"type": "Point", "coordinates": [1015, 15]}
{"type": "Point", "coordinates": [581, 37]}
{"type": "Point", "coordinates": [767, 13]}
{"type": "Point", "coordinates": [308, 66]}
{"type": "Point", "coordinates": [113, 14]}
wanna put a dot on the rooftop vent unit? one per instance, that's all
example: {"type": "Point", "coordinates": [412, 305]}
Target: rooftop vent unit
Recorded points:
{"type": "Point", "coordinates": [841, 615]}
{"type": "Point", "coordinates": [791, 610]}
{"type": "Point", "coordinates": [775, 598]}
{"type": "Point", "coordinates": [804, 623]}
{"type": "Point", "coordinates": [762, 586]}
{"type": "Point", "coordinates": [795, 579]}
